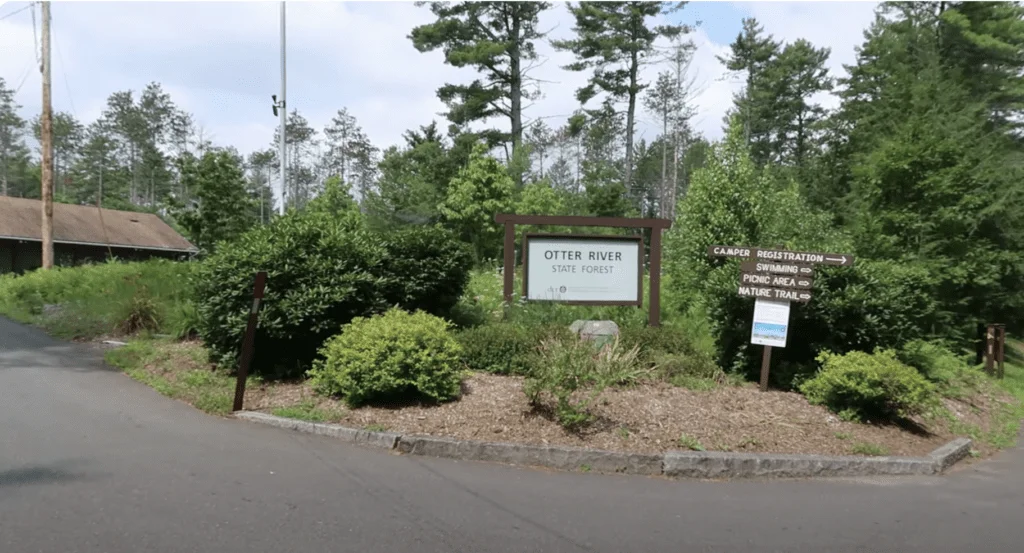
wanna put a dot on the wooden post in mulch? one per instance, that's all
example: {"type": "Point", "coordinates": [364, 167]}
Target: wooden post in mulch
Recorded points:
{"type": "Point", "coordinates": [247, 342]}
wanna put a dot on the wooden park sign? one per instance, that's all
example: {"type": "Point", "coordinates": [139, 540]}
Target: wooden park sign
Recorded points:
{"type": "Point", "coordinates": [775, 277]}
{"type": "Point", "coordinates": [583, 269]}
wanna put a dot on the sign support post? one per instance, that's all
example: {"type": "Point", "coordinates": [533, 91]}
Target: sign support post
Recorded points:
{"type": "Point", "coordinates": [766, 362]}
{"type": "Point", "coordinates": [509, 267]}
{"type": "Point", "coordinates": [247, 342]}
{"type": "Point", "coordinates": [654, 317]}
{"type": "Point", "coordinates": [1000, 349]}
{"type": "Point", "coordinates": [990, 350]}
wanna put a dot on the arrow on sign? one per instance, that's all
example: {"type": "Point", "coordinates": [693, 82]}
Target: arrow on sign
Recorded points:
{"type": "Point", "coordinates": [776, 268]}
{"type": "Point", "coordinates": [773, 293]}
{"type": "Point", "coordinates": [840, 260]}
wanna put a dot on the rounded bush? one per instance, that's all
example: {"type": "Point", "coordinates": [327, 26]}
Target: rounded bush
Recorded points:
{"type": "Point", "coordinates": [394, 357]}
{"type": "Point", "coordinates": [869, 386]}
{"type": "Point", "coordinates": [425, 268]}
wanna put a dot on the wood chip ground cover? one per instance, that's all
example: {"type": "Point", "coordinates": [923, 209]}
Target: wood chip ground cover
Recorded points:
{"type": "Point", "coordinates": [649, 418]}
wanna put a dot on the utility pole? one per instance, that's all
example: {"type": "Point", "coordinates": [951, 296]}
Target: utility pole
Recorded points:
{"type": "Point", "coordinates": [46, 130]}
{"type": "Point", "coordinates": [283, 151]}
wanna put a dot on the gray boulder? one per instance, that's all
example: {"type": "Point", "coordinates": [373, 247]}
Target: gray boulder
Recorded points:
{"type": "Point", "coordinates": [600, 332]}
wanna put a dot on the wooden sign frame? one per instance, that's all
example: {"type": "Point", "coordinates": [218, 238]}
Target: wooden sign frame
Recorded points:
{"type": "Point", "coordinates": [510, 220]}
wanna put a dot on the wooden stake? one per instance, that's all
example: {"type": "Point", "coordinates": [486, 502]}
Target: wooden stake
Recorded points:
{"type": "Point", "coordinates": [248, 342]}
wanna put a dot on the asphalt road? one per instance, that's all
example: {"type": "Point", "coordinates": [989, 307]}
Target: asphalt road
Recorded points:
{"type": "Point", "coordinates": [91, 461]}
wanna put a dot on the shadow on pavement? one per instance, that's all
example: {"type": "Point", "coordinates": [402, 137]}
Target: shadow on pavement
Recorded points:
{"type": "Point", "coordinates": [59, 472]}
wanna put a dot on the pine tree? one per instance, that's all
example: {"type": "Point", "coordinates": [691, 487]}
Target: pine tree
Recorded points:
{"type": "Point", "coordinates": [221, 210]}
{"type": "Point", "coordinates": [13, 152]}
{"type": "Point", "coordinates": [497, 39]}
{"type": "Point", "coordinates": [614, 39]}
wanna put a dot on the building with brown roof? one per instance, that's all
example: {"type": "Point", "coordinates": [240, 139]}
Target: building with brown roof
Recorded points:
{"type": "Point", "coordinates": [82, 234]}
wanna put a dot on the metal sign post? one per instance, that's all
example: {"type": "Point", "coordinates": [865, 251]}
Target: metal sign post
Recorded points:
{"type": "Point", "coordinates": [247, 342]}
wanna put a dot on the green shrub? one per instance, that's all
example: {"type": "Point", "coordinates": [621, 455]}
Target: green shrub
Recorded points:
{"type": "Point", "coordinates": [571, 373]}
{"type": "Point", "coordinates": [322, 271]}
{"type": "Point", "coordinates": [396, 356]}
{"type": "Point", "coordinates": [869, 386]}
{"type": "Point", "coordinates": [425, 269]}
{"type": "Point", "coordinates": [503, 348]}
{"type": "Point", "coordinates": [934, 361]}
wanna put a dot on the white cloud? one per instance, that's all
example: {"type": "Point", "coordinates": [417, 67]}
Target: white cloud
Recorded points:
{"type": "Point", "coordinates": [220, 61]}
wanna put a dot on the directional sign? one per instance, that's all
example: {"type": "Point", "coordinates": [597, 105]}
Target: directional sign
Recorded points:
{"type": "Point", "coordinates": [784, 256]}
{"type": "Point", "coordinates": [777, 268]}
{"type": "Point", "coordinates": [778, 294]}
{"type": "Point", "coordinates": [775, 281]}
{"type": "Point", "coordinates": [803, 257]}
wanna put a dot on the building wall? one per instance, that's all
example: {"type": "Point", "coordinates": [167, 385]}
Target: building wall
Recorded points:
{"type": "Point", "coordinates": [20, 257]}
{"type": "Point", "coordinates": [6, 257]}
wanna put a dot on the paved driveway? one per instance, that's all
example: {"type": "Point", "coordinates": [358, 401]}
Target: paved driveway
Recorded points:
{"type": "Point", "coordinates": [91, 461]}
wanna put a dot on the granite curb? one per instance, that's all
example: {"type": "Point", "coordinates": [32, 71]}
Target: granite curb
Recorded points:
{"type": "Point", "coordinates": [386, 440]}
{"type": "Point", "coordinates": [673, 464]}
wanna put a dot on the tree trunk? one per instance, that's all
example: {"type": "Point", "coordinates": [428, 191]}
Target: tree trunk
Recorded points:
{"type": "Point", "coordinates": [664, 196]}
{"type": "Point", "coordinates": [630, 121]}
{"type": "Point", "coordinates": [675, 174]}
{"type": "Point", "coordinates": [579, 153]}
{"type": "Point", "coordinates": [516, 88]}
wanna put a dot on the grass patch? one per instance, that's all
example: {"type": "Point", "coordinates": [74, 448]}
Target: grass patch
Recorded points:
{"type": "Point", "coordinates": [88, 301]}
{"type": "Point", "coordinates": [690, 443]}
{"type": "Point", "coordinates": [178, 370]}
{"type": "Point", "coordinates": [864, 448]}
{"type": "Point", "coordinates": [376, 428]}
{"type": "Point", "coordinates": [305, 411]}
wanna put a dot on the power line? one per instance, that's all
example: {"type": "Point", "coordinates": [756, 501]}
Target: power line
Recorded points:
{"type": "Point", "coordinates": [17, 11]}
{"type": "Point", "coordinates": [63, 71]}
{"type": "Point", "coordinates": [35, 40]}
{"type": "Point", "coordinates": [24, 77]}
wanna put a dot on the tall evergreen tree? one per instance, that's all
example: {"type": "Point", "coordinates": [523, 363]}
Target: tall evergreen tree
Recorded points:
{"type": "Point", "coordinates": [221, 210]}
{"type": "Point", "coordinates": [614, 39]}
{"type": "Point", "coordinates": [934, 172]}
{"type": "Point", "coordinates": [13, 152]}
{"type": "Point", "coordinates": [751, 53]}
{"type": "Point", "coordinates": [498, 40]}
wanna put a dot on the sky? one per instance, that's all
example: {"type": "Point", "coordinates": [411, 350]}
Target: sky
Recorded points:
{"type": "Point", "coordinates": [220, 61]}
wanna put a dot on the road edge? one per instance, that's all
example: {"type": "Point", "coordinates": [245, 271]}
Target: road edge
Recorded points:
{"type": "Point", "coordinates": [716, 465]}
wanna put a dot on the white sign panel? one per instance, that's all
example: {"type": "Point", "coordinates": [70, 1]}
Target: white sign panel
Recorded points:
{"type": "Point", "coordinates": [583, 269]}
{"type": "Point", "coordinates": [771, 323]}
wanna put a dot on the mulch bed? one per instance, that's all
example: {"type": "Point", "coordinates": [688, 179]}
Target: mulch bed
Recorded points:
{"type": "Point", "coordinates": [649, 418]}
